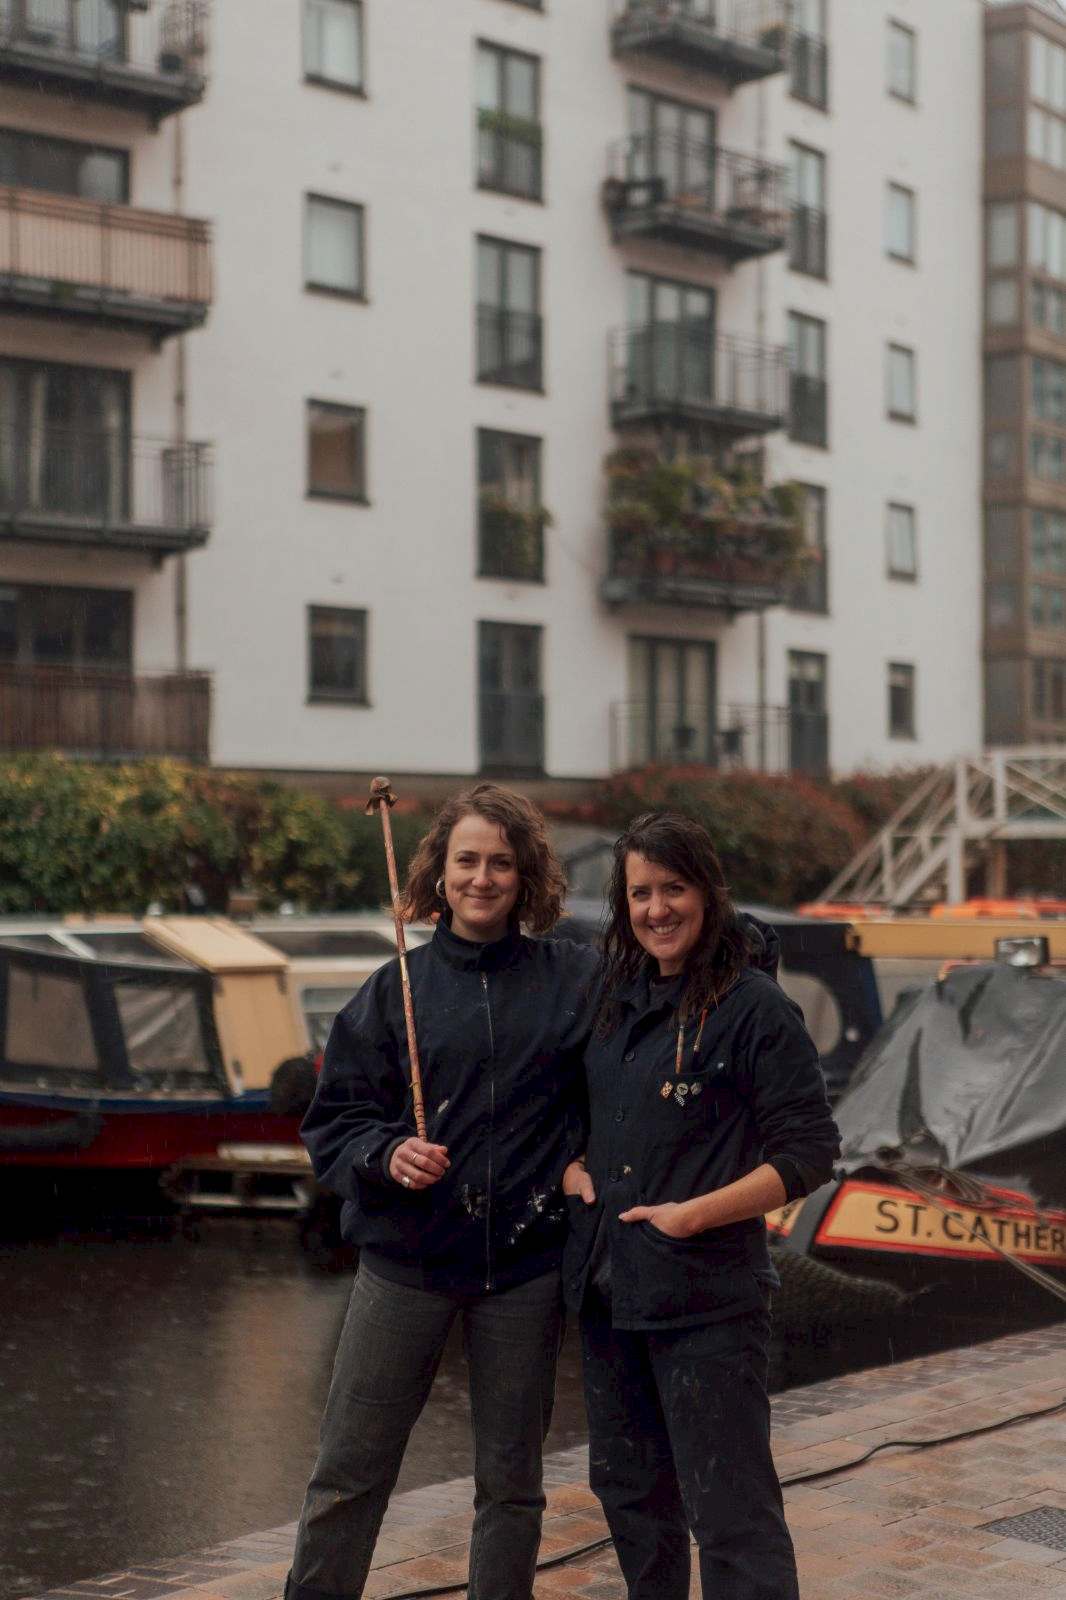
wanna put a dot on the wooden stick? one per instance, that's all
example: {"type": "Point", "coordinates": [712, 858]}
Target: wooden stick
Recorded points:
{"type": "Point", "coordinates": [381, 800]}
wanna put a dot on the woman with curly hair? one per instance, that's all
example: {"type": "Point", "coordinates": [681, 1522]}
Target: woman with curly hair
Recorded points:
{"type": "Point", "coordinates": [468, 1223]}
{"type": "Point", "coordinates": [707, 1110]}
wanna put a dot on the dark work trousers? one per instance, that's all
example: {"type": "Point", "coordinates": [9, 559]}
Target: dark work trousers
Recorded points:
{"type": "Point", "coordinates": [388, 1355]}
{"type": "Point", "coordinates": [679, 1439]}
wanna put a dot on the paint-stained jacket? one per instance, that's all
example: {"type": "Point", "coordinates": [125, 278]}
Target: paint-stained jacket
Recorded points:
{"type": "Point", "coordinates": [751, 1091]}
{"type": "Point", "coordinates": [502, 1030]}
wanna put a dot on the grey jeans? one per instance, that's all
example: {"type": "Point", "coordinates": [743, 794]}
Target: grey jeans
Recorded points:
{"type": "Point", "coordinates": [388, 1355]}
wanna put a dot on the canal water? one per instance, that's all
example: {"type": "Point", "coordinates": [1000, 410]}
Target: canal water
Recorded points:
{"type": "Point", "coordinates": [160, 1393]}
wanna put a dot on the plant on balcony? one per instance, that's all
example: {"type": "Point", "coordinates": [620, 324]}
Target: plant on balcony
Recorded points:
{"type": "Point", "coordinates": [774, 37]}
{"type": "Point", "coordinates": [526, 130]}
{"type": "Point", "coordinates": [691, 517]}
{"type": "Point", "coordinates": [511, 536]}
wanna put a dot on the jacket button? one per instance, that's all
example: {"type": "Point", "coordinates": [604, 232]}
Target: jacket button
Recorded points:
{"type": "Point", "coordinates": [630, 1055]}
{"type": "Point", "coordinates": [619, 1115]}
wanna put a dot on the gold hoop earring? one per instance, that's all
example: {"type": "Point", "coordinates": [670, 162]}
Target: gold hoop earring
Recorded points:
{"type": "Point", "coordinates": [439, 887]}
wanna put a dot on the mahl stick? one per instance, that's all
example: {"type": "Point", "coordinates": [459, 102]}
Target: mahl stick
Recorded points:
{"type": "Point", "coordinates": [382, 800]}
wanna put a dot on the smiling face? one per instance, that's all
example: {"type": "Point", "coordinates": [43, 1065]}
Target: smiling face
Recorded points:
{"type": "Point", "coordinates": [481, 882]}
{"type": "Point", "coordinates": [666, 912]}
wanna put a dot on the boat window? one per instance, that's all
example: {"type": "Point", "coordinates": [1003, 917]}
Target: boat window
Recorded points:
{"type": "Point", "coordinates": [320, 1006]}
{"type": "Point", "coordinates": [47, 1021]}
{"type": "Point", "coordinates": [34, 941]}
{"type": "Point", "coordinates": [327, 941]}
{"type": "Point", "coordinates": [820, 1010]}
{"type": "Point", "coordinates": [164, 1037]}
{"type": "Point", "coordinates": [129, 946]}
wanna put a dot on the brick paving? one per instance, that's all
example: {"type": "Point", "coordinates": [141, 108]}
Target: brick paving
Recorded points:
{"type": "Point", "coordinates": [909, 1523]}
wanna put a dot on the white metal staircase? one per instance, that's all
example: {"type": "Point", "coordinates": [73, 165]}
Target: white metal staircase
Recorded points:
{"type": "Point", "coordinates": [960, 815]}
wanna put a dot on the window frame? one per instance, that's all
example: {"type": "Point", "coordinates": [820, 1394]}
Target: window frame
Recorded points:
{"type": "Point", "coordinates": [357, 210]}
{"type": "Point", "coordinates": [502, 52]}
{"type": "Point", "coordinates": [900, 573]}
{"type": "Point", "coordinates": [317, 695]}
{"type": "Point", "coordinates": [892, 188]}
{"type": "Point", "coordinates": [899, 730]}
{"type": "Point", "coordinates": [509, 247]}
{"type": "Point", "coordinates": [28, 595]}
{"type": "Point", "coordinates": [802, 258]}
{"type": "Point", "coordinates": [87, 147]}
{"type": "Point", "coordinates": [895, 27]}
{"type": "Point", "coordinates": [358, 414]}
{"type": "Point", "coordinates": [534, 442]}
{"type": "Point", "coordinates": [814, 494]}
{"type": "Point", "coordinates": [321, 80]}
{"type": "Point", "coordinates": [893, 349]}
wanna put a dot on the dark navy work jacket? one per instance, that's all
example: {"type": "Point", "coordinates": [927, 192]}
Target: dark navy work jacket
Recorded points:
{"type": "Point", "coordinates": [502, 1030]}
{"type": "Point", "coordinates": [752, 1092]}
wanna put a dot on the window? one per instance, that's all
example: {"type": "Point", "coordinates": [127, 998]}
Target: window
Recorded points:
{"type": "Point", "coordinates": [510, 704]}
{"type": "Point", "coordinates": [808, 242]}
{"type": "Point", "coordinates": [333, 43]}
{"type": "Point", "coordinates": [902, 542]}
{"type": "Point", "coordinates": [1047, 457]}
{"type": "Point", "coordinates": [59, 166]}
{"type": "Point", "coordinates": [1001, 454]}
{"type": "Point", "coordinates": [509, 133]}
{"type": "Point", "coordinates": [64, 440]}
{"type": "Point", "coordinates": [509, 334]}
{"type": "Point", "coordinates": [1003, 388]}
{"type": "Point", "coordinates": [672, 142]}
{"type": "Point", "coordinates": [1047, 72]}
{"type": "Point", "coordinates": [1049, 390]}
{"type": "Point", "coordinates": [900, 222]}
{"type": "Point", "coordinates": [333, 246]}
{"type": "Point", "coordinates": [1002, 233]}
{"type": "Point", "coordinates": [809, 54]}
{"type": "Point", "coordinates": [808, 719]}
{"type": "Point", "coordinates": [1046, 138]}
{"type": "Point", "coordinates": [902, 62]}
{"type": "Point", "coordinates": [1002, 606]}
{"type": "Point", "coordinates": [511, 519]}
{"type": "Point", "coordinates": [1049, 690]}
{"type": "Point", "coordinates": [336, 654]}
{"type": "Point", "coordinates": [1047, 607]}
{"type": "Point", "coordinates": [336, 451]}
{"type": "Point", "coordinates": [671, 712]}
{"type": "Point", "coordinates": [54, 626]}
{"type": "Point", "coordinates": [1047, 307]}
{"type": "Point", "coordinates": [811, 592]}
{"type": "Point", "coordinates": [901, 384]}
{"type": "Point", "coordinates": [1048, 542]}
{"type": "Point", "coordinates": [900, 700]}
{"type": "Point", "coordinates": [1002, 305]}
{"type": "Point", "coordinates": [1047, 240]}
{"type": "Point", "coordinates": [669, 343]}
{"type": "Point", "coordinates": [808, 423]}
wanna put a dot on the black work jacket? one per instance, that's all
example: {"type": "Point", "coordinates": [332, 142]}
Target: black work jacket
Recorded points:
{"type": "Point", "coordinates": [502, 1030]}
{"type": "Point", "coordinates": [752, 1092]}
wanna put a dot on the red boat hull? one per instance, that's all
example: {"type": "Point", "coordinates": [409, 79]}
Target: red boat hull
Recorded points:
{"type": "Point", "coordinates": [129, 1137]}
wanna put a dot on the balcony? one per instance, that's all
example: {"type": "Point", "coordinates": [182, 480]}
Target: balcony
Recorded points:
{"type": "Point", "coordinates": [511, 731]}
{"type": "Point", "coordinates": [105, 715]}
{"type": "Point", "coordinates": [103, 490]}
{"type": "Point", "coordinates": [681, 533]}
{"type": "Point", "coordinates": [510, 347]}
{"type": "Point", "coordinates": [679, 373]}
{"type": "Point", "coordinates": [109, 265]}
{"type": "Point", "coordinates": [739, 41]}
{"type": "Point", "coordinates": [809, 241]}
{"type": "Point", "coordinates": [759, 738]}
{"type": "Point", "coordinates": [145, 57]}
{"type": "Point", "coordinates": [682, 192]}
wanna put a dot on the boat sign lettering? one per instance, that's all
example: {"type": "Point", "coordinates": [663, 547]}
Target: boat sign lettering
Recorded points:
{"type": "Point", "coordinates": [868, 1216]}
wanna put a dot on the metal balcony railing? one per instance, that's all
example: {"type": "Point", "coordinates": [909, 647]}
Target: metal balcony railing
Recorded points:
{"type": "Point", "coordinates": [738, 386]}
{"type": "Point", "coordinates": [667, 186]}
{"type": "Point", "coordinates": [106, 715]}
{"type": "Point", "coordinates": [808, 409]}
{"type": "Point", "coordinates": [150, 55]}
{"type": "Point", "coordinates": [740, 40]}
{"type": "Point", "coordinates": [510, 541]}
{"type": "Point", "coordinates": [110, 263]}
{"type": "Point", "coordinates": [759, 738]}
{"type": "Point", "coordinates": [510, 155]}
{"type": "Point", "coordinates": [809, 241]}
{"type": "Point", "coordinates": [103, 487]}
{"type": "Point", "coordinates": [809, 69]}
{"type": "Point", "coordinates": [511, 730]}
{"type": "Point", "coordinates": [510, 347]}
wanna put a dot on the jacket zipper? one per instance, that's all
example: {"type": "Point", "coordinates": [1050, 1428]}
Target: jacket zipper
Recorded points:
{"type": "Point", "coordinates": [492, 1119]}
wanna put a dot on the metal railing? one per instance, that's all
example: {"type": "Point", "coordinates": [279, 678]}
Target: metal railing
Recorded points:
{"type": "Point", "coordinates": [121, 254]}
{"type": "Point", "coordinates": [510, 347]}
{"type": "Point", "coordinates": [808, 412]}
{"type": "Point", "coordinates": [650, 169]}
{"type": "Point", "coordinates": [809, 69]}
{"type": "Point", "coordinates": [759, 738]}
{"type": "Point", "coordinates": [104, 480]}
{"type": "Point", "coordinates": [684, 365]}
{"type": "Point", "coordinates": [511, 543]}
{"type": "Point", "coordinates": [758, 24]}
{"type": "Point", "coordinates": [809, 241]}
{"type": "Point", "coordinates": [511, 727]}
{"type": "Point", "coordinates": [105, 714]}
{"type": "Point", "coordinates": [168, 39]}
{"type": "Point", "coordinates": [509, 156]}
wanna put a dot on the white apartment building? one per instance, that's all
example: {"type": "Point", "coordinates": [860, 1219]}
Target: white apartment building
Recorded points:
{"type": "Point", "coordinates": [291, 463]}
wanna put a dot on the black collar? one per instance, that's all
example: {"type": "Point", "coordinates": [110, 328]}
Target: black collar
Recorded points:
{"type": "Point", "coordinates": [469, 955]}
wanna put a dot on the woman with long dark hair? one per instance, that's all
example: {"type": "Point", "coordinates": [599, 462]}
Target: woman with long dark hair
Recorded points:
{"type": "Point", "coordinates": [708, 1110]}
{"type": "Point", "coordinates": [467, 1224]}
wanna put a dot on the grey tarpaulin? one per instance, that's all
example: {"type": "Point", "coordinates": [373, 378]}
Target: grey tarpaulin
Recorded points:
{"type": "Point", "coordinates": [971, 1075]}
